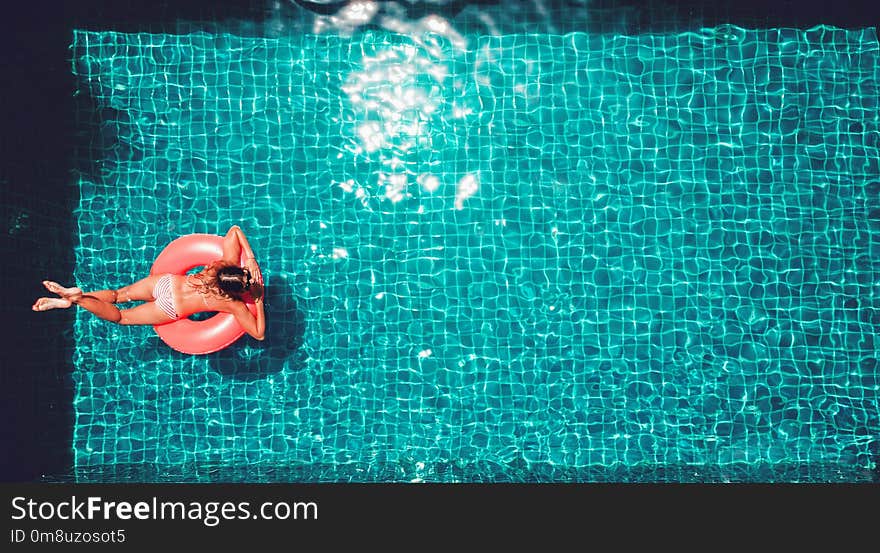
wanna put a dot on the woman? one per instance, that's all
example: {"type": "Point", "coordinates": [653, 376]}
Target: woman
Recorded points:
{"type": "Point", "coordinates": [220, 286]}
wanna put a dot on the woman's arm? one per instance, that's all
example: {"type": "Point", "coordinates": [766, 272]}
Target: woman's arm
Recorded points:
{"type": "Point", "coordinates": [255, 326]}
{"type": "Point", "coordinates": [261, 319]}
{"type": "Point", "coordinates": [232, 246]}
{"type": "Point", "coordinates": [235, 244]}
{"type": "Point", "coordinates": [243, 241]}
{"type": "Point", "coordinates": [250, 260]}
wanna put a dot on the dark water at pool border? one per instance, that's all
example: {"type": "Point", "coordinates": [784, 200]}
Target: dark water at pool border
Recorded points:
{"type": "Point", "coordinates": [44, 147]}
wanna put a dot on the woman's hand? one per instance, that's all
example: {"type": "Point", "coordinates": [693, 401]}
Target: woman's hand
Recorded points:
{"type": "Point", "coordinates": [252, 266]}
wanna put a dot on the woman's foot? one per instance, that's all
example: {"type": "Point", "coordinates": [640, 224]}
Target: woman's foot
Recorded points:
{"type": "Point", "coordinates": [66, 293]}
{"type": "Point", "coordinates": [45, 304]}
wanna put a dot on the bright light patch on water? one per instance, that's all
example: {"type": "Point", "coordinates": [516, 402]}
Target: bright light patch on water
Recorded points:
{"type": "Point", "coordinates": [347, 19]}
{"type": "Point", "coordinates": [400, 98]}
{"type": "Point", "coordinates": [395, 184]}
{"type": "Point", "coordinates": [430, 183]}
{"type": "Point", "coordinates": [460, 112]}
{"type": "Point", "coordinates": [467, 187]}
{"type": "Point", "coordinates": [371, 136]}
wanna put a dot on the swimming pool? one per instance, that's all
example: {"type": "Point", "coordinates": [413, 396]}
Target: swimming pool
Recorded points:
{"type": "Point", "coordinates": [525, 257]}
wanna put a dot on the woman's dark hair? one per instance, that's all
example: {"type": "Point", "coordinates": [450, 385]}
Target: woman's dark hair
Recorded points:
{"type": "Point", "coordinates": [234, 282]}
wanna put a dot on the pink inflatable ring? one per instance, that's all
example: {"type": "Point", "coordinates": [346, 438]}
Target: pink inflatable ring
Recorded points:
{"type": "Point", "coordinates": [185, 335]}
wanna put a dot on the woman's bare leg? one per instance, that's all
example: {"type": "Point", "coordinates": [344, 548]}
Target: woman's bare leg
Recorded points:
{"type": "Point", "coordinates": [103, 309]}
{"type": "Point", "coordinates": [109, 296]}
{"type": "Point", "coordinates": [45, 304]}
{"type": "Point", "coordinates": [62, 302]}
{"type": "Point", "coordinates": [141, 290]}
{"type": "Point", "coordinates": [56, 288]}
{"type": "Point", "coordinates": [67, 296]}
{"type": "Point", "coordinates": [145, 314]}
{"type": "Point", "coordinates": [101, 302]}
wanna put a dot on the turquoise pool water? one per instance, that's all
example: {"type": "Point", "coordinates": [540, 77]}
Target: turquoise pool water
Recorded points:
{"type": "Point", "coordinates": [519, 257]}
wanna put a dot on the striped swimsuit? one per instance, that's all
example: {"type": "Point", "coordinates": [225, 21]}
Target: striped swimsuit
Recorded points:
{"type": "Point", "coordinates": [164, 297]}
